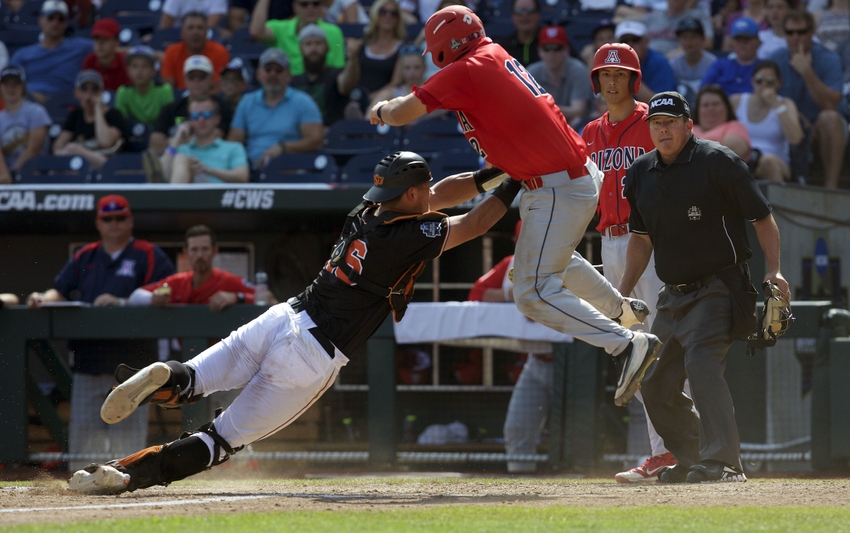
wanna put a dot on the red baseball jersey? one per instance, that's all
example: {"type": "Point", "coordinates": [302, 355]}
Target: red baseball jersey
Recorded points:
{"type": "Point", "coordinates": [507, 117]}
{"type": "Point", "coordinates": [183, 293]}
{"type": "Point", "coordinates": [614, 147]}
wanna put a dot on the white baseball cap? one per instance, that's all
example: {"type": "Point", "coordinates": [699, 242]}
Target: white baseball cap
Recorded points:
{"type": "Point", "coordinates": [630, 27]}
{"type": "Point", "coordinates": [198, 62]}
{"type": "Point", "coordinates": [50, 7]}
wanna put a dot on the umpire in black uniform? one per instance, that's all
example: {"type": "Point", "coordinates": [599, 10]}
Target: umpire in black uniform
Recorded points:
{"type": "Point", "coordinates": [690, 199]}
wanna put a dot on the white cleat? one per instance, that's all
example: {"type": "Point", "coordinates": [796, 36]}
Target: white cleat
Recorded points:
{"type": "Point", "coordinates": [642, 351]}
{"type": "Point", "coordinates": [126, 397]}
{"type": "Point", "coordinates": [99, 479]}
{"type": "Point", "coordinates": [634, 312]}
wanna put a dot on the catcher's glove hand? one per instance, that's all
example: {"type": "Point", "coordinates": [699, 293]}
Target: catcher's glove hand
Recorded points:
{"type": "Point", "coordinates": [776, 318]}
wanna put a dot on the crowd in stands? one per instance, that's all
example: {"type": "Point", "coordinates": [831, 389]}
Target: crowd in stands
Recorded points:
{"type": "Point", "coordinates": [186, 82]}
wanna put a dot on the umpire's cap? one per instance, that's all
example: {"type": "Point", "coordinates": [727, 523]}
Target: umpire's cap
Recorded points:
{"type": "Point", "coordinates": [395, 174]}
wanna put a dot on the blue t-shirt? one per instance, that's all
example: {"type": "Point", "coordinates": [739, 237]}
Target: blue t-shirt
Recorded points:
{"type": "Point", "coordinates": [657, 73]}
{"type": "Point", "coordinates": [827, 67]}
{"type": "Point", "coordinates": [15, 129]}
{"type": "Point", "coordinates": [732, 76]}
{"type": "Point", "coordinates": [53, 71]}
{"type": "Point", "coordinates": [219, 154]}
{"type": "Point", "coordinates": [265, 126]}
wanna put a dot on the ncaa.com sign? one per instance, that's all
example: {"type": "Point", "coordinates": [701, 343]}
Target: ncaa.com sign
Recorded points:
{"type": "Point", "coordinates": [27, 201]}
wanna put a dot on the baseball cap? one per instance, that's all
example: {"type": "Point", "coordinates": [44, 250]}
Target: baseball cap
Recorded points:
{"type": "Point", "coordinates": [113, 204]}
{"type": "Point", "coordinates": [274, 55]}
{"type": "Point", "coordinates": [668, 104]}
{"type": "Point", "coordinates": [690, 24]}
{"type": "Point", "coordinates": [141, 51]}
{"type": "Point", "coordinates": [50, 7]}
{"type": "Point", "coordinates": [552, 35]}
{"type": "Point", "coordinates": [107, 27]}
{"type": "Point", "coordinates": [237, 65]}
{"type": "Point", "coordinates": [745, 26]}
{"type": "Point", "coordinates": [14, 71]}
{"type": "Point", "coordinates": [88, 76]}
{"type": "Point", "coordinates": [311, 30]}
{"type": "Point", "coordinates": [630, 27]}
{"type": "Point", "coordinates": [198, 62]}
{"type": "Point", "coordinates": [604, 24]}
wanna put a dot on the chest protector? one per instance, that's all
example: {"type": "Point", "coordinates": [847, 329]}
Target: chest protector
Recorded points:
{"type": "Point", "coordinates": [400, 293]}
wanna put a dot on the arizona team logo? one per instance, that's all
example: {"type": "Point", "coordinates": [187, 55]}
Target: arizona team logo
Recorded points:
{"type": "Point", "coordinates": [431, 229]}
{"type": "Point", "coordinates": [613, 57]}
{"type": "Point", "coordinates": [694, 213]}
{"type": "Point", "coordinates": [378, 180]}
{"type": "Point", "coordinates": [128, 268]}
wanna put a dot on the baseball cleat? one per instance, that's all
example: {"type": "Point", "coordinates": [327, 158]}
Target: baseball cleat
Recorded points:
{"type": "Point", "coordinates": [637, 357]}
{"type": "Point", "coordinates": [673, 474]}
{"type": "Point", "coordinates": [634, 312]}
{"type": "Point", "coordinates": [99, 479]}
{"type": "Point", "coordinates": [648, 471]}
{"type": "Point", "coordinates": [129, 395]}
{"type": "Point", "coordinates": [714, 472]}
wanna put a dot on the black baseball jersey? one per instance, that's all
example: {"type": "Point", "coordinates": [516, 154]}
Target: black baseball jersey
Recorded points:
{"type": "Point", "coordinates": [349, 314]}
{"type": "Point", "coordinates": [695, 209]}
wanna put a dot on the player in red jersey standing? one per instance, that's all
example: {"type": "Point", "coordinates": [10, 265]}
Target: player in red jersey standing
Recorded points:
{"type": "Point", "coordinates": [512, 122]}
{"type": "Point", "coordinates": [204, 284]}
{"type": "Point", "coordinates": [614, 141]}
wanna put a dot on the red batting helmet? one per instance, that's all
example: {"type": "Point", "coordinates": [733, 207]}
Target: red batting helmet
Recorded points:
{"type": "Point", "coordinates": [616, 55]}
{"type": "Point", "coordinates": [452, 32]}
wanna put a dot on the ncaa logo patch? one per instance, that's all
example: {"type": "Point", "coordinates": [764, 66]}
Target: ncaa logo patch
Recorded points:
{"type": "Point", "coordinates": [127, 268]}
{"type": "Point", "coordinates": [431, 229]}
{"type": "Point", "coordinates": [613, 57]}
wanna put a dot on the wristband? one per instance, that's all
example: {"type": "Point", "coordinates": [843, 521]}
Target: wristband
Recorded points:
{"type": "Point", "coordinates": [507, 191]}
{"type": "Point", "coordinates": [171, 151]}
{"type": "Point", "coordinates": [488, 179]}
{"type": "Point", "coordinates": [781, 109]}
{"type": "Point", "coordinates": [378, 112]}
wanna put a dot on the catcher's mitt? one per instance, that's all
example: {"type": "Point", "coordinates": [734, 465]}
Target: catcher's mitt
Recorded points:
{"type": "Point", "coordinates": [776, 318]}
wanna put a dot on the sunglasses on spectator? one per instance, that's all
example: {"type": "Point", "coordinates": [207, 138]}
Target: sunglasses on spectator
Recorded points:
{"type": "Point", "coordinates": [552, 47]}
{"type": "Point", "coordinates": [631, 39]}
{"type": "Point", "coordinates": [391, 12]}
{"type": "Point", "coordinates": [116, 218]}
{"type": "Point", "coordinates": [197, 76]}
{"type": "Point", "coordinates": [309, 4]}
{"type": "Point", "coordinates": [797, 32]}
{"type": "Point", "coordinates": [770, 82]}
{"type": "Point", "coordinates": [525, 11]}
{"type": "Point", "coordinates": [208, 114]}
{"type": "Point", "coordinates": [56, 17]}
{"type": "Point", "coordinates": [277, 69]}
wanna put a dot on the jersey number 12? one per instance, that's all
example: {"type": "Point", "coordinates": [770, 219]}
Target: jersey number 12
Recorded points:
{"type": "Point", "coordinates": [516, 68]}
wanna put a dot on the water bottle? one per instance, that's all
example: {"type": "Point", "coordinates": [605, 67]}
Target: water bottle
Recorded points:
{"type": "Point", "coordinates": [261, 289]}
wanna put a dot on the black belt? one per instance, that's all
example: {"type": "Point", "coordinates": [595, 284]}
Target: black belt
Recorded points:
{"type": "Point", "coordinates": [685, 288]}
{"type": "Point", "coordinates": [298, 306]}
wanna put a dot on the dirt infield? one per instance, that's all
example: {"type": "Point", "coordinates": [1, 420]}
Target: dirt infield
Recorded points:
{"type": "Point", "coordinates": [48, 501]}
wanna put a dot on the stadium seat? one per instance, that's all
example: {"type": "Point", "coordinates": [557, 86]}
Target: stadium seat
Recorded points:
{"type": "Point", "coordinates": [352, 30]}
{"type": "Point", "coordinates": [113, 8]}
{"type": "Point", "coordinates": [17, 37]}
{"type": "Point", "coordinates": [413, 30]}
{"type": "Point", "coordinates": [140, 134]}
{"type": "Point", "coordinates": [54, 169]}
{"type": "Point", "coordinates": [359, 170]}
{"type": "Point", "coordinates": [143, 23]}
{"type": "Point", "coordinates": [454, 162]}
{"type": "Point", "coordinates": [162, 38]}
{"type": "Point", "coordinates": [242, 45]}
{"type": "Point", "coordinates": [129, 37]}
{"type": "Point", "coordinates": [122, 168]}
{"type": "Point", "coordinates": [299, 168]}
{"type": "Point", "coordinates": [26, 16]}
{"type": "Point", "coordinates": [431, 136]}
{"type": "Point", "coordinates": [350, 137]}
{"type": "Point", "coordinates": [498, 28]}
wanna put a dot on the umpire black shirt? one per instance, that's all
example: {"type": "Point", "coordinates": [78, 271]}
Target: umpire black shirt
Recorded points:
{"type": "Point", "coordinates": [694, 210]}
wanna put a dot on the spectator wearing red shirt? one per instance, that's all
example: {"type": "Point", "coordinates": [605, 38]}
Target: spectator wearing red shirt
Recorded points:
{"type": "Point", "coordinates": [106, 58]}
{"type": "Point", "coordinates": [193, 33]}
{"type": "Point", "coordinates": [204, 284]}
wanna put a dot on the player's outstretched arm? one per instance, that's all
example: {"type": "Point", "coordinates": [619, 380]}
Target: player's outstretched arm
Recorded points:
{"type": "Point", "coordinates": [398, 111]}
{"type": "Point", "coordinates": [637, 257]}
{"type": "Point", "coordinates": [465, 186]}
{"type": "Point", "coordinates": [477, 222]}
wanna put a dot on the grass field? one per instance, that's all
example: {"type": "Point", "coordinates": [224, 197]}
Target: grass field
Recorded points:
{"type": "Point", "coordinates": [469, 505]}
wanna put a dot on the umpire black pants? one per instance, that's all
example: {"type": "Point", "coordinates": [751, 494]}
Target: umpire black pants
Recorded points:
{"type": "Point", "coordinates": [695, 329]}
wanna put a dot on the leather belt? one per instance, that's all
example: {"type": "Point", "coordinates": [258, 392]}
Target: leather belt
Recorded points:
{"type": "Point", "coordinates": [537, 182]}
{"type": "Point", "coordinates": [615, 230]}
{"type": "Point", "coordinates": [685, 288]}
{"type": "Point", "coordinates": [298, 306]}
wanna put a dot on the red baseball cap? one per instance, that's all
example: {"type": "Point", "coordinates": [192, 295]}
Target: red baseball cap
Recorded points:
{"type": "Point", "coordinates": [552, 35]}
{"type": "Point", "coordinates": [113, 204]}
{"type": "Point", "coordinates": [107, 27]}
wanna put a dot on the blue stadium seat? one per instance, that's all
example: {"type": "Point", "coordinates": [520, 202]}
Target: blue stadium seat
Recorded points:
{"type": "Point", "coordinates": [413, 30]}
{"type": "Point", "coordinates": [54, 169]}
{"type": "Point", "coordinates": [299, 168]}
{"type": "Point", "coordinates": [242, 45]}
{"type": "Point", "coordinates": [16, 38]}
{"type": "Point", "coordinates": [162, 38]}
{"type": "Point", "coordinates": [27, 16]}
{"type": "Point", "coordinates": [122, 168]}
{"type": "Point", "coordinates": [143, 23]}
{"type": "Point", "coordinates": [445, 164]}
{"type": "Point", "coordinates": [359, 170]}
{"type": "Point", "coordinates": [140, 134]}
{"type": "Point", "coordinates": [113, 8]}
{"type": "Point", "coordinates": [350, 137]}
{"type": "Point", "coordinates": [498, 28]}
{"type": "Point", "coordinates": [431, 136]}
{"type": "Point", "coordinates": [352, 30]}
